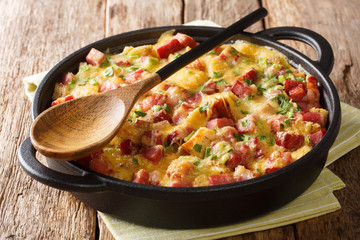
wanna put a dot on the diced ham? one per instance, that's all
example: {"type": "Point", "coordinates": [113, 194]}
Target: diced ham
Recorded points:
{"type": "Point", "coordinates": [275, 122]}
{"type": "Point", "coordinates": [251, 75]}
{"type": "Point", "coordinates": [62, 100]}
{"type": "Point", "coordinates": [247, 124]}
{"type": "Point", "coordinates": [278, 160]}
{"type": "Point", "coordinates": [227, 134]}
{"type": "Point", "coordinates": [175, 94]}
{"type": "Point", "coordinates": [241, 89]}
{"type": "Point", "coordinates": [194, 100]}
{"type": "Point", "coordinates": [181, 113]}
{"type": "Point", "coordinates": [141, 176]}
{"type": "Point", "coordinates": [128, 147]}
{"type": "Point", "coordinates": [297, 93]}
{"type": "Point", "coordinates": [315, 138]}
{"type": "Point", "coordinates": [210, 88]}
{"type": "Point", "coordinates": [151, 138]}
{"type": "Point", "coordinates": [155, 99]}
{"type": "Point", "coordinates": [100, 164]}
{"type": "Point", "coordinates": [185, 40]}
{"type": "Point", "coordinates": [275, 70]}
{"type": "Point", "coordinates": [220, 179]}
{"type": "Point", "coordinates": [153, 154]}
{"type": "Point", "coordinates": [108, 85]}
{"type": "Point", "coordinates": [289, 140]}
{"type": "Point", "coordinates": [95, 57]}
{"type": "Point", "coordinates": [241, 156]}
{"type": "Point", "coordinates": [134, 76]}
{"type": "Point", "coordinates": [257, 147]}
{"type": "Point", "coordinates": [313, 94]}
{"type": "Point", "coordinates": [221, 109]}
{"type": "Point", "coordinates": [314, 117]}
{"type": "Point", "coordinates": [68, 77]}
{"type": "Point", "coordinates": [123, 63]}
{"type": "Point", "coordinates": [219, 122]}
{"type": "Point", "coordinates": [169, 46]}
{"type": "Point", "coordinates": [290, 84]}
{"type": "Point", "coordinates": [160, 116]}
{"type": "Point", "coordinates": [180, 173]}
{"type": "Point", "coordinates": [178, 135]}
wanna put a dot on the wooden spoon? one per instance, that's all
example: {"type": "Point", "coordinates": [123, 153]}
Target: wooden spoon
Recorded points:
{"type": "Point", "coordinates": [79, 127]}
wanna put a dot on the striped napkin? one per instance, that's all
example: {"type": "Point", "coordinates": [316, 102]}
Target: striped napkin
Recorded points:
{"type": "Point", "coordinates": [316, 201]}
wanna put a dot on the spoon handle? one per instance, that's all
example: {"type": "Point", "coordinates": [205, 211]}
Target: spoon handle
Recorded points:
{"type": "Point", "coordinates": [211, 43]}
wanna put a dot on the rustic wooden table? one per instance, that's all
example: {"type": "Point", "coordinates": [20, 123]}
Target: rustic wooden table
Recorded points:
{"type": "Point", "coordinates": [35, 35]}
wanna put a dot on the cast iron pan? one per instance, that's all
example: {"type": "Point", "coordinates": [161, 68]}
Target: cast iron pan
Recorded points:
{"type": "Point", "coordinates": [201, 206]}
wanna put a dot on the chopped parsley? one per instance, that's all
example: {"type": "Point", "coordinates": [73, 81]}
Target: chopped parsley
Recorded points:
{"type": "Point", "coordinates": [244, 112]}
{"type": "Point", "coordinates": [93, 81]}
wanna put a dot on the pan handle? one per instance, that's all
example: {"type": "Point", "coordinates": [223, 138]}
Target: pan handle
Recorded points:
{"type": "Point", "coordinates": [84, 183]}
{"type": "Point", "coordinates": [323, 48]}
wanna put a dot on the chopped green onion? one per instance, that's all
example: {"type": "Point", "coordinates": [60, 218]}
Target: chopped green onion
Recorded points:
{"type": "Point", "coordinates": [197, 147]}
{"type": "Point", "coordinates": [133, 68]}
{"type": "Point", "coordinates": [207, 151]}
{"type": "Point", "coordinates": [300, 79]}
{"type": "Point", "coordinates": [84, 67]}
{"type": "Point", "coordinates": [204, 107]}
{"type": "Point", "coordinates": [134, 55]}
{"type": "Point", "coordinates": [109, 72]}
{"type": "Point", "coordinates": [167, 108]}
{"type": "Point", "coordinates": [220, 82]}
{"type": "Point", "coordinates": [93, 81]}
{"type": "Point", "coordinates": [156, 108]}
{"type": "Point", "coordinates": [140, 113]}
{"type": "Point", "coordinates": [217, 74]}
{"type": "Point", "coordinates": [197, 162]}
{"type": "Point", "coordinates": [233, 51]}
{"type": "Point", "coordinates": [244, 112]}
{"type": "Point", "coordinates": [245, 123]}
{"type": "Point", "coordinates": [129, 120]}
{"type": "Point", "coordinates": [189, 136]}
{"type": "Point", "coordinates": [214, 157]}
{"type": "Point", "coordinates": [248, 81]}
{"type": "Point", "coordinates": [135, 161]}
{"type": "Point", "coordinates": [177, 55]}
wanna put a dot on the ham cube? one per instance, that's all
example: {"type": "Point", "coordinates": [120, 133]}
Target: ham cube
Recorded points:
{"type": "Point", "coordinates": [95, 57]}
{"type": "Point", "coordinates": [289, 140]}
{"type": "Point", "coordinates": [315, 138]}
{"type": "Point", "coordinates": [219, 122]}
{"type": "Point", "coordinates": [220, 179]}
{"type": "Point", "coordinates": [170, 46]}
{"type": "Point", "coordinates": [155, 99]}
{"type": "Point", "coordinates": [153, 154]}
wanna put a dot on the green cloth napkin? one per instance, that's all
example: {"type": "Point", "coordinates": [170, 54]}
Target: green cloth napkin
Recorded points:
{"type": "Point", "coordinates": [315, 201]}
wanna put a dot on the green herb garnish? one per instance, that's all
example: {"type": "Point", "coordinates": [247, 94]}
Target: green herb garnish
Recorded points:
{"type": "Point", "coordinates": [197, 147]}
{"type": "Point", "coordinates": [204, 107]}
{"type": "Point", "coordinates": [216, 74]}
{"type": "Point", "coordinates": [140, 113]}
{"type": "Point", "coordinates": [109, 72]}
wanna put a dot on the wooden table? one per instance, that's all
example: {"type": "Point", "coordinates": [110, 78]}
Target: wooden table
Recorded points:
{"type": "Point", "coordinates": [35, 35]}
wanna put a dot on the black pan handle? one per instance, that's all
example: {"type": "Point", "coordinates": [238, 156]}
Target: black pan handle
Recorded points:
{"type": "Point", "coordinates": [323, 48]}
{"type": "Point", "coordinates": [83, 183]}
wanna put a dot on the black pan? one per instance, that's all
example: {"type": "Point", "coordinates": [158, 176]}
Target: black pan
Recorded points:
{"type": "Point", "coordinates": [201, 206]}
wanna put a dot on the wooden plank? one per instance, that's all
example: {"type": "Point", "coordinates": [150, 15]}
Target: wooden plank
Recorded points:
{"type": "Point", "coordinates": [123, 16]}
{"type": "Point", "coordinates": [35, 35]}
{"type": "Point", "coordinates": [339, 24]}
{"type": "Point", "coordinates": [222, 12]}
